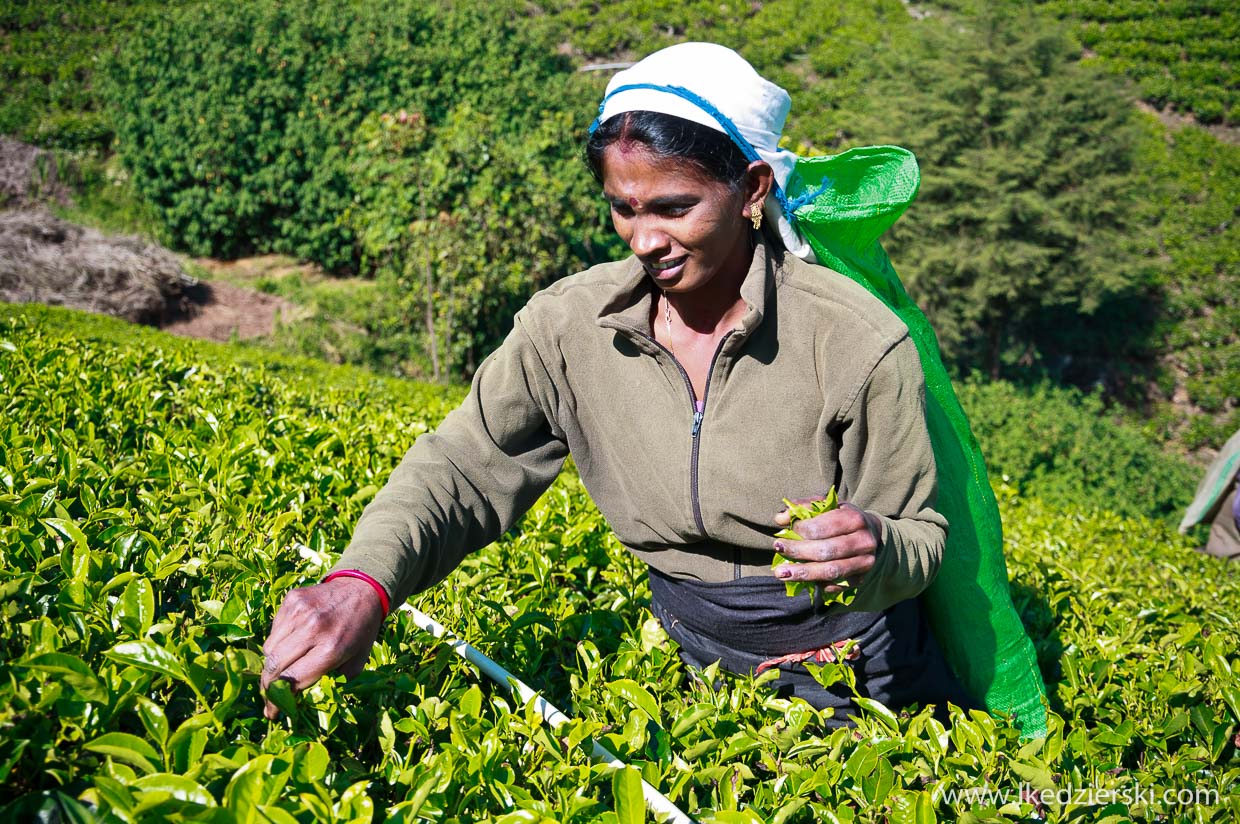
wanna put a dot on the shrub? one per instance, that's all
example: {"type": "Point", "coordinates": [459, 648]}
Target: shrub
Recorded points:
{"type": "Point", "coordinates": [237, 117]}
{"type": "Point", "coordinates": [154, 492]}
{"type": "Point", "coordinates": [464, 220]}
{"type": "Point", "coordinates": [1194, 186]}
{"type": "Point", "coordinates": [1059, 445]}
{"type": "Point", "coordinates": [49, 53]}
{"type": "Point", "coordinates": [1182, 54]}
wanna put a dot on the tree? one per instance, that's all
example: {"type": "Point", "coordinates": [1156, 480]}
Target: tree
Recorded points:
{"type": "Point", "coordinates": [236, 117]}
{"type": "Point", "coordinates": [464, 221]}
{"type": "Point", "coordinates": [1025, 245]}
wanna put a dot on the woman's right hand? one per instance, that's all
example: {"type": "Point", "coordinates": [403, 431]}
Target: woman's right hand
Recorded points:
{"type": "Point", "coordinates": [836, 549]}
{"type": "Point", "coordinates": [318, 629]}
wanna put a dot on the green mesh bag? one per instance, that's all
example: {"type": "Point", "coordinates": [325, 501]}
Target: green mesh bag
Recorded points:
{"type": "Point", "coordinates": [842, 204]}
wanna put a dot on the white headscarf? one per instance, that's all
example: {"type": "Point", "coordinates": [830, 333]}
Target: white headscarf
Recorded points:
{"type": "Point", "coordinates": [716, 87]}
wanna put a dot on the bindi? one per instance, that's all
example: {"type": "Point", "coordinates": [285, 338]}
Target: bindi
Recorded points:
{"type": "Point", "coordinates": [633, 202]}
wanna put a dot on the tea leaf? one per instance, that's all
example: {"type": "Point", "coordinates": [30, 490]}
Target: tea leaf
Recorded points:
{"type": "Point", "coordinates": [72, 670]}
{"type": "Point", "coordinates": [637, 695]}
{"type": "Point", "coordinates": [626, 787]}
{"type": "Point", "coordinates": [127, 748]}
{"type": "Point", "coordinates": [135, 609]}
{"type": "Point", "coordinates": [168, 785]}
{"type": "Point", "coordinates": [147, 656]}
{"type": "Point", "coordinates": [280, 693]}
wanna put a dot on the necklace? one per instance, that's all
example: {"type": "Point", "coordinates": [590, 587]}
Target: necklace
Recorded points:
{"type": "Point", "coordinates": [667, 317]}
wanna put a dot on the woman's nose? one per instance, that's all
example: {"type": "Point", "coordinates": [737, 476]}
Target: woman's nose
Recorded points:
{"type": "Point", "coordinates": [648, 239]}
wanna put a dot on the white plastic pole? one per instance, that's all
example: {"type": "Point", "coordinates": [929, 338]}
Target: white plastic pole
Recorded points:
{"type": "Point", "coordinates": [655, 800]}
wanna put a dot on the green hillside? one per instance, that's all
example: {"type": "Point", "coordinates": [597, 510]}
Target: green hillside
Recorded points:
{"type": "Point", "coordinates": [1060, 235]}
{"type": "Point", "coordinates": [155, 490]}
{"type": "Point", "coordinates": [160, 496]}
{"type": "Point", "coordinates": [1183, 55]}
{"type": "Point", "coordinates": [49, 56]}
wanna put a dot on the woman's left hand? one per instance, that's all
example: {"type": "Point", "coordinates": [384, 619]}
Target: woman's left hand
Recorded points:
{"type": "Point", "coordinates": [836, 545]}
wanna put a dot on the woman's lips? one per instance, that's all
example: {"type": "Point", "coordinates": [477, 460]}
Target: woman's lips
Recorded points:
{"type": "Point", "coordinates": [667, 268]}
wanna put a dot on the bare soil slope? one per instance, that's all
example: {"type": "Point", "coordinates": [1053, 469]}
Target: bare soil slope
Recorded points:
{"type": "Point", "coordinates": [221, 312]}
{"type": "Point", "coordinates": [44, 259]}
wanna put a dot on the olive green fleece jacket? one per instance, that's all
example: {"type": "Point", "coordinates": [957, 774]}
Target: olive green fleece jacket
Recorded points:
{"type": "Point", "coordinates": [819, 384]}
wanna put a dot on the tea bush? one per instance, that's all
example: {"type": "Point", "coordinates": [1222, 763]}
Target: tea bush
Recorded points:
{"type": "Point", "coordinates": [49, 55]}
{"type": "Point", "coordinates": [463, 221]}
{"type": "Point", "coordinates": [1182, 55]}
{"type": "Point", "coordinates": [1194, 184]}
{"type": "Point", "coordinates": [1065, 448]}
{"type": "Point", "coordinates": [236, 118]}
{"type": "Point", "coordinates": [154, 491]}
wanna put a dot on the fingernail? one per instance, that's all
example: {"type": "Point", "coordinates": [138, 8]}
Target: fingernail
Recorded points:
{"type": "Point", "coordinates": [784, 571]}
{"type": "Point", "coordinates": [780, 546]}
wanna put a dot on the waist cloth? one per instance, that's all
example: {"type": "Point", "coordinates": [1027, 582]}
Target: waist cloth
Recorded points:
{"type": "Point", "coordinates": [745, 622]}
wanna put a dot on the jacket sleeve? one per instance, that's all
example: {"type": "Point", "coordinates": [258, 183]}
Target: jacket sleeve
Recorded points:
{"type": "Point", "coordinates": [462, 486]}
{"type": "Point", "coordinates": [888, 469]}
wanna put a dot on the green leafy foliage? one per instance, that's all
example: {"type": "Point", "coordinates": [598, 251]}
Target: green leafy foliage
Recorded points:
{"type": "Point", "coordinates": [104, 197]}
{"type": "Point", "coordinates": [236, 118]}
{"type": "Point", "coordinates": [822, 64]}
{"type": "Point", "coordinates": [618, 28]}
{"type": "Point", "coordinates": [1182, 54]}
{"type": "Point", "coordinates": [1194, 187]}
{"type": "Point", "coordinates": [1063, 447]}
{"type": "Point", "coordinates": [153, 492]}
{"type": "Point", "coordinates": [463, 221]}
{"type": "Point", "coordinates": [49, 55]}
{"type": "Point", "coordinates": [803, 512]}
{"type": "Point", "coordinates": [1025, 245]}
{"type": "Point", "coordinates": [1124, 281]}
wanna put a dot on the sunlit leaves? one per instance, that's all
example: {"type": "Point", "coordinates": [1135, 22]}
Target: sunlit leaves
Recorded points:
{"type": "Point", "coordinates": [803, 512]}
{"type": "Point", "coordinates": [129, 653]}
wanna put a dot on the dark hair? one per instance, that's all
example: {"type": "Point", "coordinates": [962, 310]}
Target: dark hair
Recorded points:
{"type": "Point", "coordinates": [674, 138]}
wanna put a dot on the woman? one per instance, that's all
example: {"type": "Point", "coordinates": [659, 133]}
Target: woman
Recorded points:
{"type": "Point", "coordinates": [697, 384]}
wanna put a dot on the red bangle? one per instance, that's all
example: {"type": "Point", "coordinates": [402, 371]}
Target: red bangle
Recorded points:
{"type": "Point", "coordinates": [362, 576]}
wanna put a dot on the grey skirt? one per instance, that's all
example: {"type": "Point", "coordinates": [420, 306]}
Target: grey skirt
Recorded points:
{"type": "Point", "coordinates": [746, 622]}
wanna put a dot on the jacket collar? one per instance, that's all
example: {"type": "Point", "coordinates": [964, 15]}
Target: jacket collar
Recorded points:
{"type": "Point", "coordinates": [627, 308]}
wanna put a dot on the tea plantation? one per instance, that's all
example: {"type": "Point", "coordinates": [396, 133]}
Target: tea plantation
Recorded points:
{"type": "Point", "coordinates": [1181, 54]}
{"type": "Point", "coordinates": [153, 492]}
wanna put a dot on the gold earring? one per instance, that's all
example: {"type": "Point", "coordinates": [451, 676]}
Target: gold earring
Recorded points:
{"type": "Point", "coordinates": [755, 214]}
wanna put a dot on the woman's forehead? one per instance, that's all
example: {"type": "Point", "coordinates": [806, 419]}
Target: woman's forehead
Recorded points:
{"type": "Point", "coordinates": [639, 173]}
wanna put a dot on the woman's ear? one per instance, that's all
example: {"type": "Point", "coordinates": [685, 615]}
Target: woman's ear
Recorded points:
{"type": "Point", "coordinates": [759, 178]}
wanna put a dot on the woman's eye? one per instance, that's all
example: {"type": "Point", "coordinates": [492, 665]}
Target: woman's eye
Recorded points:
{"type": "Point", "coordinates": [624, 210]}
{"type": "Point", "coordinates": [673, 209]}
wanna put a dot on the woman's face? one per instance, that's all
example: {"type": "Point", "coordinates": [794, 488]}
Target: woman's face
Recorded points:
{"type": "Point", "coordinates": [684, 227]}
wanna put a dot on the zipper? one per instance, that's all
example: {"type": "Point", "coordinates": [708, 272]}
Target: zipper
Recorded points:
{"type": "Point", "coordinates": [695, 433]}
